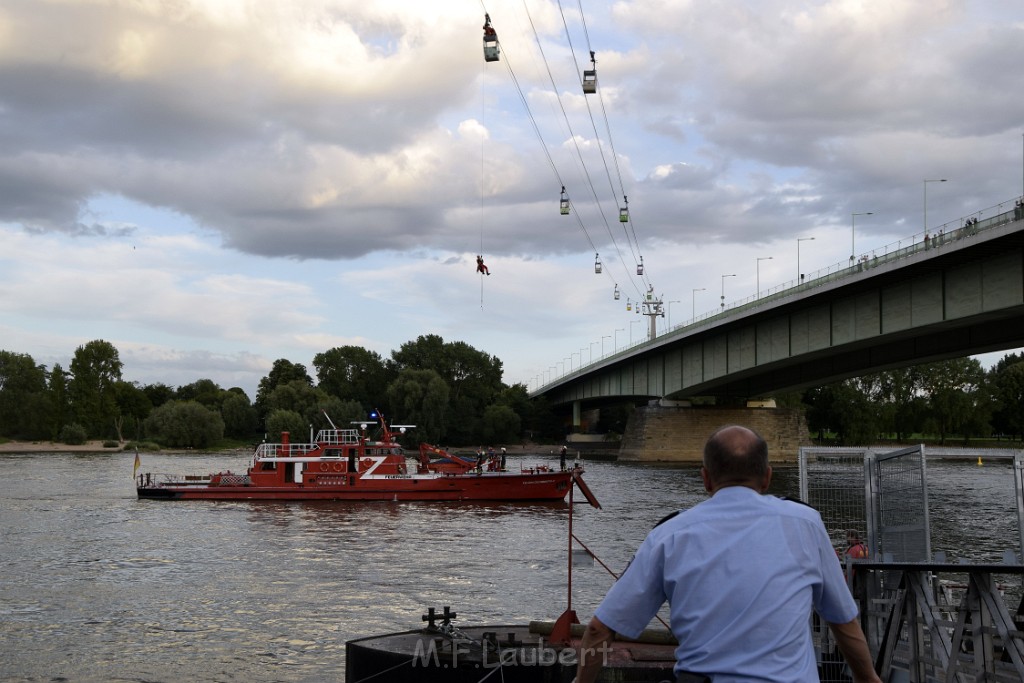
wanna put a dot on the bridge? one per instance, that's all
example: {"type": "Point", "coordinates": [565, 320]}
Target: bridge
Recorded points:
{"type": "Point", "coordinates": [954, 292]}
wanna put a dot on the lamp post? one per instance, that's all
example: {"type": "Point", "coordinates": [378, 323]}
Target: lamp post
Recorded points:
{"type": "Point", "coordinates": [603, 337]}
{"type": "Point", "coordinates": [936, 180]}
{"type": "Point", "coordinates": [631, 323]}
{"type": "Point", "coordinates": [567, 363]}
{"type": "Point", "coordinates": [693, 302]}
{"type": "Point", "coordinates": [799, 273]}
{"type": "Point", "coordinates": [674, 301]}
{"type": "Point", "coordinates": [723, 288]}
{"type": "Point", "coordinates": [853, 232]}
{"type": "Point", "coordinates": [592, 350]}
{"type": "Point", "coordinates": [621, 329]}
{"type": "Point", "coordinates": [757, 294]}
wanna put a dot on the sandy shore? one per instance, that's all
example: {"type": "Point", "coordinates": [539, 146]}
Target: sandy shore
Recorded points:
{"type": "Point", "coordinates": [55, 447]}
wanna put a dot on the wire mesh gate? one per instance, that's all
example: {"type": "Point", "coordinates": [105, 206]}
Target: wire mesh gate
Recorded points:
{"type": "Point", "coordinates": [883, 496]}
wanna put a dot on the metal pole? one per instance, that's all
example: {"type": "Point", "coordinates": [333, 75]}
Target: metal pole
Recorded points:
{"type": "Point", "coordinates": [853, 232]}
{"type": "Point", "coordinates": [723, 288]}
{"type": "Point", "coordinates": [757, 294]}
{"type": "Point", "coordinates": [799, 273]}
{"type": "Point", "coordinates": [693, 302]}
{"type": "Point", "coordinates": [937, 180]}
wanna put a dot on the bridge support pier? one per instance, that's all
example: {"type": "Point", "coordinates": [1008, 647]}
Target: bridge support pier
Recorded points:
{"type": "Point", "coordinates": [660, 433]}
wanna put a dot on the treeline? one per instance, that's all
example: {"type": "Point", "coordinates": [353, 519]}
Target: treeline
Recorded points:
{"type": "Point", "coordinates": [951, 401]}
{"type": "Point", "coordinates": [454, 395]}
{"type": "Point", "coordinates": [451, 391]}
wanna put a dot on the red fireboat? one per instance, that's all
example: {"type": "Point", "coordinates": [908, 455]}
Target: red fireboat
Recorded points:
{"type": "Point", "coordinates": [346, 464]}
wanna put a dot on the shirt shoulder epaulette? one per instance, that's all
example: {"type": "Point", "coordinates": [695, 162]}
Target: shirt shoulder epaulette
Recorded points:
{"type": "Point", "coordinates": [666, 518]}
{"type": "Point", "coordinates": [797, 501]}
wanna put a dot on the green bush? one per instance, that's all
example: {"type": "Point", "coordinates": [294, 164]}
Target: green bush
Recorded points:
{"type": "Point", "coordinates": [73, 434]}
{"type": "Point", "coordinates": [111, 444]}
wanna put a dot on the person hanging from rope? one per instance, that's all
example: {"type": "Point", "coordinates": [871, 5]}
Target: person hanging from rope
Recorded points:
{"type": "Point", "coordinates": [480, 267]}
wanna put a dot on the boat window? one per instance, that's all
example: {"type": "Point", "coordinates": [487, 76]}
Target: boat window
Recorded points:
{"type": "Point", "coordinates": [333, 453]}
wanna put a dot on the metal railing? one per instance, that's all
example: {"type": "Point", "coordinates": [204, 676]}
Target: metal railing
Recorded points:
{"type": "Point", "coordinates": [935, 622]}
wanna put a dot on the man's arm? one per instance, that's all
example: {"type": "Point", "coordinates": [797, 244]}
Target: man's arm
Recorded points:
{"type": "Point", "coordinates": [854, 647]}
{"type": "Point", "coordinates": [592, 651]}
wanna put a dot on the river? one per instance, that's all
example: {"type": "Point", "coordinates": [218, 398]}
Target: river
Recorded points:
{"type": "Point", "coordinates": [96, 585]}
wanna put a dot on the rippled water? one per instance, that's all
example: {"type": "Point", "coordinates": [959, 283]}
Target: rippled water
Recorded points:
{"type": "Point", "coordinates": [96, 585]}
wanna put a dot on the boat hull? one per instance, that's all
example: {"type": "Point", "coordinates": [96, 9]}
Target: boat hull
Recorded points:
{"type": "Point", "coordinates": [550, 486]}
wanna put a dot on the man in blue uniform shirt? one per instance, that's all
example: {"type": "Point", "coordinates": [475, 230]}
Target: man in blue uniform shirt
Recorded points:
{"type": "Point", "coordinates": [741, 572]}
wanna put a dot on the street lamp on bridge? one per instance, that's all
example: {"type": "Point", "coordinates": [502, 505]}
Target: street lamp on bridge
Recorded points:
{"type": "Point", "coordinates": [853, 233]}
{"type": "Point", "coordinates": [603, 337]}
{"type": "Point", "coordinates": [757, 294]}
{"type": "Point", "coordinates": [723, 288]}
{"type": "Point", "coordinates": [936, 180]}
{"type": "Point", "coordinates": [693, 302]}
{"type": "Point", "coordinates": [799, 273]}
{"type": "Point", "coordinates": [621, 329]}
{"type": "Point", "coordinates": [674, 301]}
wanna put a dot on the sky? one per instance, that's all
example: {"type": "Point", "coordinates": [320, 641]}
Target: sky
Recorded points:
{"type": "Point", "coordinates": [213, 185]}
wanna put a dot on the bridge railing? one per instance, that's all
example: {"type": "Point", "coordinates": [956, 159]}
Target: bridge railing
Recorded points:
{"type": "Point", "coordinates": [948, 233]}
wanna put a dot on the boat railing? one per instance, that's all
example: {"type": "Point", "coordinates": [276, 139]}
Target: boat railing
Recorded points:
{"type": "Point", "coordinates": [150, 479]}
{"type": "Point", "coordinates": [338, 437]}
{"type": "Point", "coordinates": [917, 627]}
{"type": "Point", "coordinates": [325, 437]}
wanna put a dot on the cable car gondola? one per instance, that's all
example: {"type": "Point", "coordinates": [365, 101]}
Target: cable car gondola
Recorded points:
{"type": "Point", "coordinates": [597, 263]}
{"type": "Point", "coordinates": [490, 40]}
{"type": "Point", "coordinates": [590, 77]}
{"type": "Point", "coordinates": [640, 266]}
{"type": "Point", "coordinates": [624, 211]}
{"type": "Point", "coordinates": [616, 292]}
{"type": "Point", "coordinates": [563, 204]}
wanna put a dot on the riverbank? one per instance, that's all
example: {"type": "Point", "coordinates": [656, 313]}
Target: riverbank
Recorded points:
{"type": "Point", "coordinates": [57, 447]}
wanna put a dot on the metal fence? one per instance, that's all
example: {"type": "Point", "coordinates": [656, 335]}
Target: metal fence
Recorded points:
{"type": "Point", "coordinates": [917, 629]}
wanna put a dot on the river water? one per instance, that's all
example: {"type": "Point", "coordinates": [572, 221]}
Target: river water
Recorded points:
{"type": "Point", "coordinates": [96, 585]}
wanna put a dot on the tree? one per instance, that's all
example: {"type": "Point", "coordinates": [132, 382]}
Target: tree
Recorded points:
{"type": "Point", "coordinates": [204, 391]}
{"type": "Point", "coordinates": [1008, 384]}
{"type": "Point", "coordinates": [351, 373]}
{"type": "Point", "coordinates": [95, 370]}
{"type": "Point", "coordinates": [421, 397]}
{"type": "Point", "coordinates": [844, 408]}
{"type": "Point", "coordinates": [898, 396]}
{"type": "Point", "coordinates": [238, 414]}
{"type": "Point", "coordinates": [158, 394]}
{"type": "Point", "coordinates": [952, 390]}
{"type": "Point", "coordinates": [185, 424]}
{"type": "Point", "coordinates": [500, 424]}
{"type": "Point", "coordinates": [472, 377]}
{"type": "Point", "coordinates": [283, 372]}
{"type": "Point", "coordinates": [60, 401]}
{"type": "Point", "coordinates": [24, 402]}
{"type": "Point", "coordinates": [133, 408]}
{"type": "Point", "coordinates": [279, 421]}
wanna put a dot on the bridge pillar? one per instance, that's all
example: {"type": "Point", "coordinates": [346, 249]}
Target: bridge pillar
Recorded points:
{"type": "Point", "coordinates": [576, 417]}
{"type": "Point", "coordinates": [658, 433]}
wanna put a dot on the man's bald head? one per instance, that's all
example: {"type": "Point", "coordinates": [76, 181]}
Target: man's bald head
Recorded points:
{"type": "Point", "coordinates": [736, 456]}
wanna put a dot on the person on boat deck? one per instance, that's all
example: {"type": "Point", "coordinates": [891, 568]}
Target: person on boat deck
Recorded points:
{"type": "Point", "coordinates": [480, 267]}
{"type": "Point", "coordinates": [735, 619]}
{"type": "Point", "coordinates": [855, 548]}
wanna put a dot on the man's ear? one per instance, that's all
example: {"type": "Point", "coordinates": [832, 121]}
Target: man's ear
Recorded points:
{"type": "Point", "coordinates": [707, 479]}
{"type": "Point", "coordinates": [767, 480]}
